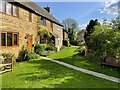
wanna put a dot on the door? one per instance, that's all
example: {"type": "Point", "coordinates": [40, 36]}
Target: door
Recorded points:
{"type": "Point", "coordinates": [29, 42]}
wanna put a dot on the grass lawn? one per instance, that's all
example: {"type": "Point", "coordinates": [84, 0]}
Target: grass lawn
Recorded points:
{"type": "Point", "coordinates": [68, 55]}
{"type": "Point", "coordinates": [45, 74]}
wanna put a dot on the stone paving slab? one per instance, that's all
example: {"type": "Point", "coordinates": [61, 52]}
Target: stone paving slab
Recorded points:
{"type": "Point", "coordinates": [100, 75]}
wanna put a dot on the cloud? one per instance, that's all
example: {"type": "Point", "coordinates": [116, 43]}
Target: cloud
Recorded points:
{"type": "Point", "coordinates": [111, 7]}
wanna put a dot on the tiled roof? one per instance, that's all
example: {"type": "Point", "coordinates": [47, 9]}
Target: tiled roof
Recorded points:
{"type": "Point", "coordinates": [39, 10]}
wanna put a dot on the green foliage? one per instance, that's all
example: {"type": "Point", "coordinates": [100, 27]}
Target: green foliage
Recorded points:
{"type": "Point", "coordinates": [33, 56]}
{"type": "Point", "coordinates": [70, 55]}
{"type": "Point", "coordinates": [104, 40]}
{"type": "Point", "coordinates": [115, 23]}
{"type": "Point", "coordinates": [45, 33]}
{"type": "Point", "coordinates": [40, 48]}
{"type": "Point", "coordinates": [8, 55]}
{"type": "Point", "coordinates": [23, 55]}
{"type": "Point", "coordinates": [50, 48]}
{"type": "Point", "coordinates": [105, 43]}
{"type": "Point", "coordinates": [90, 27]}
{"type": "Point", "coordinates": [66, 43]}
{"type": "Point", "coordinates": [63, 47]}
{"type": "Point", "coordinates": [43, 49]}
{"type": "Point", "coordinates": [70, 25]}
{"type": "Point", "coordinates": [74, 42]}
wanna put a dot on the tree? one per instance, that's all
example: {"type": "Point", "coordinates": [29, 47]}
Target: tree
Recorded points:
{"type": "Point", "coordinates": [106, 24]}
{"type": "Point", "coordinates": [90, 29]}
{"type": "Point", "coordinates": [70, 25]}
{"type": "Point", "coordinates": [115, 23]}
{"type": "Point", "coordinates": [104, 42]}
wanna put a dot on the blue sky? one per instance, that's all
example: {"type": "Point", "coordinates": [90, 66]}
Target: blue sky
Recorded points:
{"type": "Point", "coordinates": [82, 12]}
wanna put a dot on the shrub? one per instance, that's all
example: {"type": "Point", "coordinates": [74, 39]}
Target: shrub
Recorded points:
{"type": "Point", "coordinates": [51, 48]}
{"type": "Point", "coordinates": [40, 48]}
{"type": "Point", "coordinates": [33, 56]}
{"type": "Point", "coordinates": [44, 50]}
{"type": "Point", "coordinates": [8, 55]}
{"type": "Point", "coordinates": [23, 55]}
{"type": "Point", "coordinates": [105, 43]}
{"type": "Point", "coordinates": [75, 42]}
{"type": "Point", "coordinates": [69, 45]}
{"type": "Point", "coordinates": [66, 43]}
{"type": "Point", "coordinates": [63, 47]}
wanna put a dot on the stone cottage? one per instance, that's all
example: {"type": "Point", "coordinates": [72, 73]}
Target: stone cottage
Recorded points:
{"type": "Point", "coordinates": [18, 25]}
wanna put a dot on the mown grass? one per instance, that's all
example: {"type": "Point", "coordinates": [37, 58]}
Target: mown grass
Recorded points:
{"type": "Point", "coordinates": [45, 74]}
{"type": "Point", "coordinates": [69, 55]}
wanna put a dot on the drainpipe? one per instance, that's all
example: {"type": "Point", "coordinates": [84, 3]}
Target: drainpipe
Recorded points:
{"type": "Point", "coordinates": [0, 49]}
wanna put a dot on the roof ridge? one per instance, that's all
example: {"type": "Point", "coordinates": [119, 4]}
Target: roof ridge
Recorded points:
{"type": "Point", "coordinates": [39, 10]}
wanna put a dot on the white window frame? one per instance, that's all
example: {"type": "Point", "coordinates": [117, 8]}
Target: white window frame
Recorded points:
{"type": "Point", "coordinates": [14, 10]}
{"type": "Point", "coordinates": [58, 27]}
{"type": "Point", "coordinates": [8, 8]}
{"type": "Point", "coordinates": [1, 6]}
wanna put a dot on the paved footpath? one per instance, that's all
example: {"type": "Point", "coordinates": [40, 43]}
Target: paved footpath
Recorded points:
{"type": "Point", "coordinates": [110, 78]}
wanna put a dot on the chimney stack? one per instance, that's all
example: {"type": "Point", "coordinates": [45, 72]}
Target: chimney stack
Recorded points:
{"type": "Point", "coordinates": [47, 8]}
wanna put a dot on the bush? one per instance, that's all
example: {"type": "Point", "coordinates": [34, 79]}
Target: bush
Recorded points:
{"type": "Point", "coordinates": [33, 56]}
{"type": "Point", "coordinates": [63, 47]}
{"type": "Point", "coordinates": [23, 55]}
{"type": "Point", "coordinates": [51, 48]}
{"type": "Point", "coordinates": [82, 52]}
{"type": "Point", "coordinates": [40, 48]}
{"type": "Point", "coordinates": [105, 43]}
{"type": "Point", "coordinates": [69, 45]}
{"type": "Point", "coordinates": [66, 43]}
{"type": "Point", "coordinates": [75, 43]}
{"type": "Point", "coordinates": [44, 50]}
{"type": "Point", "coordinates": [8, 55]}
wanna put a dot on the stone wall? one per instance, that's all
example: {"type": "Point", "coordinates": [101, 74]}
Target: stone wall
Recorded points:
{"type": "Point", "coordinates": [65, 35]}
{"type": "Point", "coordinates": [55, 31]}
{"type": "Point", "coordinates": [20, 25]}
{"type": "Point", "coordinates": [23, 26]}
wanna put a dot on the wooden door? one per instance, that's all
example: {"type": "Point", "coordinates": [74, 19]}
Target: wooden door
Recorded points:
{"type": "Point", "coordinates": [29, 42]}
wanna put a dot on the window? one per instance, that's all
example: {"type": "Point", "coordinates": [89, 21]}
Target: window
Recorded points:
{"type": "Point", "coordinates": [3, 39]}
{"type": "Point", "coordinates": [9, 39]}
{"type": "Point", "coordinates": [30, 16]}
{"type": "Point", "coordinates": [43, 21]}
{"type": "Point", "coordinates": [15, 39]}
{"type": "Point", "coordinates": [8, 8]}
{"type": "Point", "coordinates": [52, 25]}
{"type": "Point", "coordinates": [14, 11]}
{"type": "Point", "coordinates": [2, 6]}
{"type": "Point", "coordinates": [58, 28]}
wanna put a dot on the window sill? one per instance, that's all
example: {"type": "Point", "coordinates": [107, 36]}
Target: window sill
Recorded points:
{"type": "Point", "coordinates": [9, 46]}
{"type": "Point", "coordinates": [9, 14]}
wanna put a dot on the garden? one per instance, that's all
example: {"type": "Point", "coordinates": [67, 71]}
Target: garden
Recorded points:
{"type": "Point", "coordinates": [39, 73]}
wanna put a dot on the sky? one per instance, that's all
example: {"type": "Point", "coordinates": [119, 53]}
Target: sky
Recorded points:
{"type": "Point", "coordinates": [83, 12]}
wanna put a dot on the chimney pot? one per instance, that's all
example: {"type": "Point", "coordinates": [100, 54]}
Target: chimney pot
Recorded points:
{"type": "Point", "coordinates": [47, 8]}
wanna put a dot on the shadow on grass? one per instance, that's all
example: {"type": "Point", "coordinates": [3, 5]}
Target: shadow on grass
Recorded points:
{"type": "Point", "coordinates": [46, 74]}
{"type": "Point", "coordinates": [87, 63]}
